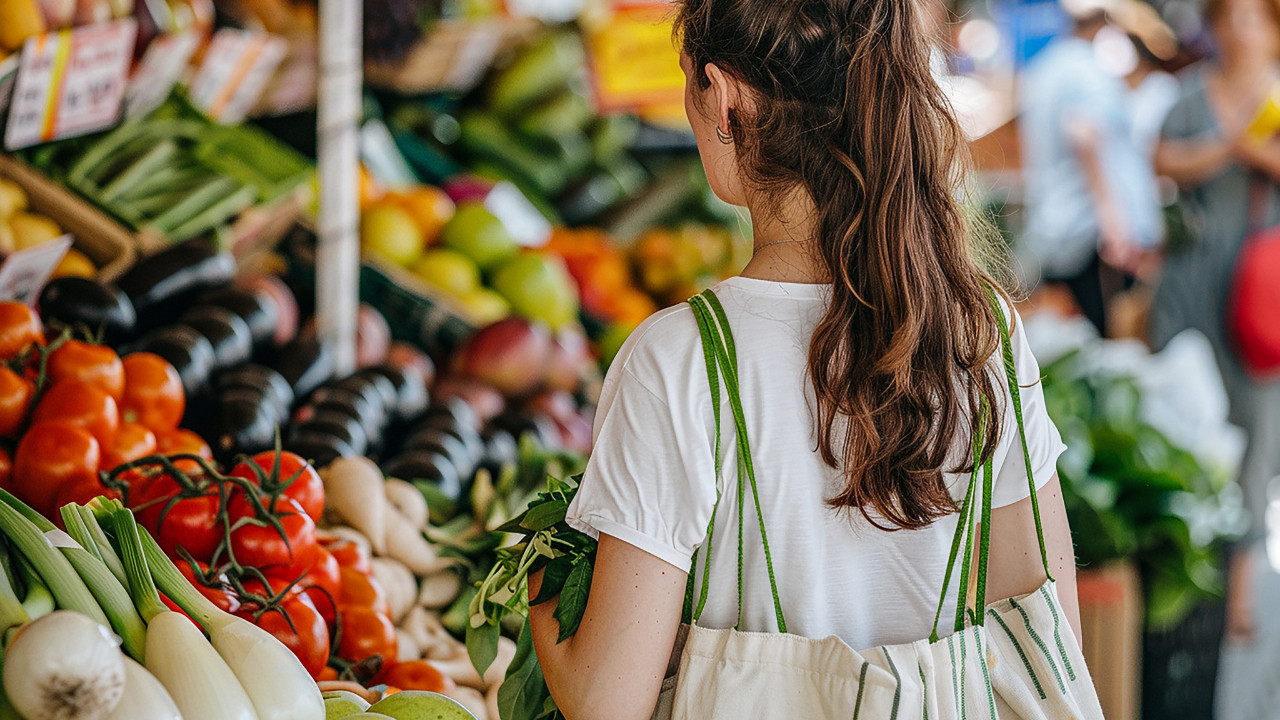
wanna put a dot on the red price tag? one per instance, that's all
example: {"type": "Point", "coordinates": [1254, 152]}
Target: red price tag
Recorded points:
{"type": "Point", "coordinates": [237, 66]}
{"type": "Point", "coordinates": [70, 83]}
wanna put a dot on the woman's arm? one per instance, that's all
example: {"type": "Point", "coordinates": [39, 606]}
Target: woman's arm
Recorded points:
{"type": "Point", "coordinates": [1191, 163]}
{"type": "Point", "coordinates": [1264, 158]}
{"type": "Point", "coordinates": [614, 665]}
{"type": "Point", "coordinates": [1015, 567]}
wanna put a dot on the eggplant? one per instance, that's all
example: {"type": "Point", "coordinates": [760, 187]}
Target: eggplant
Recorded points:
{"type": "Point", "coordinates": [359, 406]}
{"type": "Point", "coordinates": [466, 434]}
{"type": "Point", "coordinates": [380, 412]}
{"type": "Point", "coordinates": [305, 363]}
{"type": "Point", "coordinates": [270, 383]}
{"type": "Point", "coordinates": [454, 408]}
{"type": "Point", "coordinates": [381, 384]}
{"type": "Point", "coordinates": [186, 349]}
{"type": "Point", "coordinates": [438, 441]}
{"type": "Point", "coordinates": [500, 450]}
{"type": "Point", "coordinates": [225, 331]}
{"type": "Point", "coordinates": [338, 425]}
{"type": "Point", "coordinates": [245, 423]}
{"type": "Point", "coordinates": [538, 426]}
{"type": "Point", "coordinates": [411, 393]}
{"type": "Point", "coordinates": [74, 301]}
{"type": "Point", "coordinates": [161, 285]}
{"type": "Point", "coordinates": [258, 310]}
{"type": "Point", "coordinates": [318, 448]}
{"type": "Point", "coordinates": [433, 468]}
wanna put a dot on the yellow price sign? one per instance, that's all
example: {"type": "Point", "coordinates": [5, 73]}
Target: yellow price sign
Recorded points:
{"type": "Point", "coordinates": [634, 61]}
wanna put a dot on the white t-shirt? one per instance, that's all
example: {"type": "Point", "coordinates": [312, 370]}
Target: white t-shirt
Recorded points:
{"type": "Point", "coordinates": [651, 481]}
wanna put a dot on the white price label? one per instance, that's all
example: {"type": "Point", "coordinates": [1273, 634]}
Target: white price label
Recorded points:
{"type": "Point", "coordinates": [237, 66]}
{"type": "Point", "coordinates": [160, 69]}
{"type": "Point", "coordinates": [24, 272]}
{"type": "Point", "coordinates": [70, 83]}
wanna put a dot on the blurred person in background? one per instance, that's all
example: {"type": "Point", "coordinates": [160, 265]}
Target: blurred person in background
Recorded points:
{"type": "Point", "coordinates": [1205, 150]}
{"type": "Point", "coordinates": [1092, 204]}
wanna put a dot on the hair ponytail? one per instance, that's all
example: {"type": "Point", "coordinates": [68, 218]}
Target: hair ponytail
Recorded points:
{"type": "Point", "coordinates": [846, 108]}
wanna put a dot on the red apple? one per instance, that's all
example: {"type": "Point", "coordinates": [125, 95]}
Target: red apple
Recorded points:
{"type": "Point", "coordinates": [570, 357]}
{"type": "Point", "coordinates": [373, 337]}
{"type": "Point", "coordinates": [511, 355]}
{"type": "Point", "coordinates": [408, 358]}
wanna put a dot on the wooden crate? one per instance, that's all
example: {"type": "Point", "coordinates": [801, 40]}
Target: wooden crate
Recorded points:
{"type": "Point", "coordinates": [1111, 624]}
{"type": "Point", "coordinates": [108, 244]}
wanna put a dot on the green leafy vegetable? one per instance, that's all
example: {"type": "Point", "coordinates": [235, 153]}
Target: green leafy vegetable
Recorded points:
{"type": "Point", "coordinates": [573, 597]}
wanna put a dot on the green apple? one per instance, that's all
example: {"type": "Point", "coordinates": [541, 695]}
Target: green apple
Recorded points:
{"type": "Point", "coordinates": [484, 305]}
{"type": "Point", "coordinates": [478, 234]}
{"type": "Point", "coordinates": [540, 288]}
{"type": "Point", "coordinates": [342, 704]}
{"type": "Point", "coordinates": [368, 716]}
{"type": "Point", "coordinates": [448, 270]}
{"type": "Point", "coordinates": [421, 705]}
{"type": "Point", "coordinates": [390, 231]}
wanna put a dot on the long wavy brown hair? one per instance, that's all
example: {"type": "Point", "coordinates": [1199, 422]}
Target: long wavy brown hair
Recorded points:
{"type": "Point", "coordinates": [843, 105]}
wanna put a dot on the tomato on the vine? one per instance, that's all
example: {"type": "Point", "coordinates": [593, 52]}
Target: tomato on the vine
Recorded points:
{"type": "Point", "coordinates": [191, 523]}
{"type": "Point", "coordinates": [220, 594]}
{"type": "Point", "coordinates": [19, 329]}
{"type": "Point", "coordinates": [97, 365]}
{"type": "Point", "coordinates": [132, 442]}
{"type": "Point", "coordinates": [324, 584]}
{"type": "Point", "coordinates": [365, 633]}
{"type": "Point", "coordinates": [297, 624]}
{"type": "Point", "coordinates": [259, 545]}
{"type": "Point", "coordinates": [50, 455]}
{"type": "Point", "coordinates": [414, 675]}
{"type": "Point", "coordinates": [81, 492]}
{"type": "Point", "coordinates": [301, 480]}
{"type": "Point", "coordinates": [15, 397]}
{"type": "Point", "coordinates": [362, 590]}
{"type": "Point", "coordinates": [79, 403]}
{"type": "Point", "coordinates": [6, 471]}
{"type": "Point", "coordinates": [180, 441]}
{"type": "Point", "coordinates": [350, 554]}
{"type": "Point", "coordinates": [153, 394]}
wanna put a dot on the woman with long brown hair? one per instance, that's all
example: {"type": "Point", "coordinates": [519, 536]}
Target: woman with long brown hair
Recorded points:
{"type": "Point", "coordinates": [867, 345]}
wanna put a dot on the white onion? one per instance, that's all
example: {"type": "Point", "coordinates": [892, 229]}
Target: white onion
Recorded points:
{"type": "Point", "coordinates": [64, 666]}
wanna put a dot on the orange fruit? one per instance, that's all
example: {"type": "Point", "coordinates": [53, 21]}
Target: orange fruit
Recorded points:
{"type": "Point", "coordinates": [430, 207]}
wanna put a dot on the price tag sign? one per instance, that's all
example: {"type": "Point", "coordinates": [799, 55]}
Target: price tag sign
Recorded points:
{"type": "Point", "coordinates": [237, 66]}
{"type": "Point", "coordinates": [24, 272]}
{"type": "Point", "coordinates": [634, 63]}
{"type": "Point", "coordinates": [70, 83]}
{"type": "Point", "coordinates": [160, 69]}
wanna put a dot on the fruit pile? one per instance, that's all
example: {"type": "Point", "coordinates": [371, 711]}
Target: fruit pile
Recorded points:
{"type": "Point", "coordinates": [22, 228]}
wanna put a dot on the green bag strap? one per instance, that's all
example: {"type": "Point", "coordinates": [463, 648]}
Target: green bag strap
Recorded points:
{"type": "Point", "coordinates": [717, 334]}
{"type": "Point", "coordinates": [692, 614]}
{"type": "Point", "coordinates": [964, 529]}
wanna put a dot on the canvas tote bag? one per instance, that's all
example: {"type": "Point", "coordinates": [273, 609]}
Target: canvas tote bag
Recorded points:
{"type": "Point", "coordinates": [1011, 659]}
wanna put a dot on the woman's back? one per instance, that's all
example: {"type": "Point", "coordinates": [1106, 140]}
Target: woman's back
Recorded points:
{"type": "Point", "coordinates": [651, 481]}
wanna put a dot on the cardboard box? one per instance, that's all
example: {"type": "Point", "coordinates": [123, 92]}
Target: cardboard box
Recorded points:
{"type": "Point", "coordinates": [108, 244]}
{"type": "Point", "coordinates": [1111, 611]}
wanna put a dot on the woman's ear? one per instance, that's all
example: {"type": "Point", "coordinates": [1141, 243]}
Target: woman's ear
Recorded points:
{"type": "Point", "coordinates": [725, 96]}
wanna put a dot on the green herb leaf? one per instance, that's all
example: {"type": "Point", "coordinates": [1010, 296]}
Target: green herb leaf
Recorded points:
{"type": "Point", "coordinates": [524, 690]}
{"type": "Point", "coordinates": [544, 515]}
{"type": "Point", "coordinates": [573, 597]}
{"type": "Point", "coordinates": [557, 571]}
{"type": "Point", "coordinates": [482, 645]}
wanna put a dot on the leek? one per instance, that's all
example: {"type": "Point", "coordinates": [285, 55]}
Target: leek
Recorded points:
{"type": "Point", "coordinates": [83, 527]}
{"type": "Point", "coordinates": [279, 686]}
{"type": "Point", "coordinates": [37, 600]}
{"type": "Point", "coordinates": [108, 599]}
{"type": "Point", "coordinates": [144, 697]}
{"type": "Point", "coordinates": [197, 679]}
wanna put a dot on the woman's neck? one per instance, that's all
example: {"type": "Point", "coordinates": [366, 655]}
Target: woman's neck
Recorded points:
{"type": "Point", "coordinates": [785, 247]}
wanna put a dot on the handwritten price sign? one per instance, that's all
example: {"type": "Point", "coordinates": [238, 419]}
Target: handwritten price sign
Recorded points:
{"type": "Point", "coordinates": [70, 83]}
{"type": "Point", "coordinates": [235, 71]}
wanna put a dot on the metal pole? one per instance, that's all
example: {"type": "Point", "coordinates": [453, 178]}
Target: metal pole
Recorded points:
{"type": "Point", "coordinates": [338, 111]}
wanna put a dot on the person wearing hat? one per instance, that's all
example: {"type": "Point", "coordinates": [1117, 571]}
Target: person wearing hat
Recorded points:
{"type": "Point", "coordinates": [1091, 195]}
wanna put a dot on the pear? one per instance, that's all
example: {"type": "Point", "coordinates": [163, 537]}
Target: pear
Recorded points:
{"type": "Point", "coordinates": [342, 704]}
{"type": "Point", "coordinates": [421, 705]}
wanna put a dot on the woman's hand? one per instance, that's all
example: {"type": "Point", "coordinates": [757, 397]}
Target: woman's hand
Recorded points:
{"type": "Point", "coordinates": [614, 665]}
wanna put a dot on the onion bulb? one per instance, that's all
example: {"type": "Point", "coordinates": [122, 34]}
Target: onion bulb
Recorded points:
{"type": "Point", "coordinates": [64, 666]}
{"type": "Point", "coordinates": [145, 698]}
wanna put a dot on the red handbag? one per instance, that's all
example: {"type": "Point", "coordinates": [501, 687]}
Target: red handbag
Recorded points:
{"type": "Point", "coordinates": [1253, 305]}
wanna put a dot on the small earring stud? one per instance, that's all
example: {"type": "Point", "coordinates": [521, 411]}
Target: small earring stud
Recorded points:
{"type": "Point", "coordinates": [723, 136]}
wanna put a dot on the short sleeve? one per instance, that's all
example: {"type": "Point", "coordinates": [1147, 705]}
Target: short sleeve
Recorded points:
{"type": "Point", "coordinates": [650, 481]}
{"type": "Point", "coordinates": [1044, 443]}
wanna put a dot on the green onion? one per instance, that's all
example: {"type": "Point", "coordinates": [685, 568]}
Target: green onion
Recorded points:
{"type": "Point", "coordinates": [12, 614]}
{"type": "Point", "coordinates": [37, 601]}
{"type": "Point", "coordinates": [83, 527]}
{"type": "Point", "coordinates": [145, 595]}
{"type": "Point", "coordinates": [77, 579]}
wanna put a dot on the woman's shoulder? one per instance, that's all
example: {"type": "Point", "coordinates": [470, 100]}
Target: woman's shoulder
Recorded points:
{"type": "Point", "coordinates": [662, 346]}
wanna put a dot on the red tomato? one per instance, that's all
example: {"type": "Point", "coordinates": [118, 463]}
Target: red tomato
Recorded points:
{"type": "Point", "coordinates": [6, 471]}
{"type": "Point", "coordinates": [294, 477]}
{"type": "Point", "coordinates": [183, 442]}
{"type": "Point", "coordinates": [19, 329]}
{"type": "Point", "coordinates": [362, 590]}
{"type": "Point", "coordinates": [15, 396]}
{"type": "Point", "coordinates": [132, 442]}
{"type": "Point", "coordinates": [350, 554]}
{"type": "Point", "coordinates": [414, 675]}
{"type": "Point", "coordinates": [81, 492]}
{"type": "Point", "coordinates": [51, 455]}
{"type": "Point", "coordinates": [220, 594]}
{"type": "Point", "coordinates": [324, 584]}
{"type": "Point", "coordinates": [97, 365]}
{"type": "Point", "coordinates": [298, 625]}
{"type": "Point", "coordinates": [153, 394]}
{"type": "Point", "coordinates": [327, 674]}
{"type": "Point", "coordinates": [191, 523]}
{"type": "Point", "coordinates": [79, 403]}
{"type": "Point", "coordinates": [261, 546]}
{"type": "Point", "coordinates": [365, 633]}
